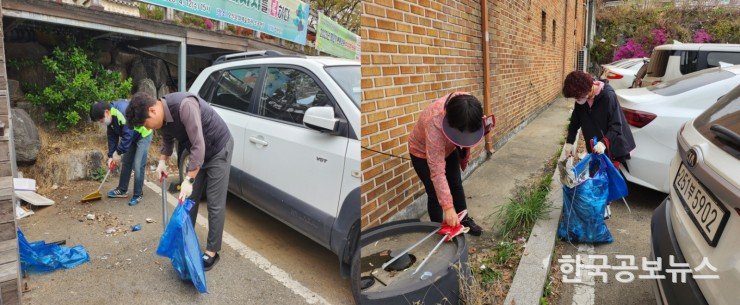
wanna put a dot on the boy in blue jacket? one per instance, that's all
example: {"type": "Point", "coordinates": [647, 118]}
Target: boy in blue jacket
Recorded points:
{"type": "Point", "coordinates": [133, 145]}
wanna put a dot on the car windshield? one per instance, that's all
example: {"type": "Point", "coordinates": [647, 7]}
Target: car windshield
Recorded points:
{"type": "Point", "coordinates": [348, 77]}
{"type": "Point", "coordinates": [720, 124]}
{"type": "Point", "coordinates": [690, 81]}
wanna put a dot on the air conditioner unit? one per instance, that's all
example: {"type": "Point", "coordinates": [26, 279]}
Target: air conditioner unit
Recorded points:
{"type": "Point", "coordinates": [582, 60]}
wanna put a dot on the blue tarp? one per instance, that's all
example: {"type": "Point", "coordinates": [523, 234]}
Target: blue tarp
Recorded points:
{"type": "Point", "coordinates": [39, 256]}
{"type": "Point", "coordinates": [180, 244]}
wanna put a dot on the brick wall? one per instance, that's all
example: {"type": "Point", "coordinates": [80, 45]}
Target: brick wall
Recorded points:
{"type": "Point", "coordinates": [416, 51]}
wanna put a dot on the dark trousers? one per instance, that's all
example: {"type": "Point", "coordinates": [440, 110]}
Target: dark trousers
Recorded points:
{"type": "Point", "coordinates": [454, 180]}
{"type": "Point", "coordinates": [213, 179]}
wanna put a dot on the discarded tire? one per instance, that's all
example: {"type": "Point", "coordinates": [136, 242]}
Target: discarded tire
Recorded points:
{"type": "Point", "coordinates": [447, 265]}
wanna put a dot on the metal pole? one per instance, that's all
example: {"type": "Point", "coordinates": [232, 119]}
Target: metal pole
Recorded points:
{"type": "Point", "coordinates": [165, 214]}
{"type": "Point", "coordinates": [182, 66]}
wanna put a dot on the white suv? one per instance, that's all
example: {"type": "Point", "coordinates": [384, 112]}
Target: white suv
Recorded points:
{"type": "Point", "coordinates": [295, 121]}
{"type": "Point", "coordinates": [670, 61]}
{"type": "Point", "coordinates": [696, 226]}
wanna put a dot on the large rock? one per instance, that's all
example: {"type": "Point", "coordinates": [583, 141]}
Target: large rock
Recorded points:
{"type": "Point", "coordinates": [77, 165]}
{"type": "Point", "coordinates": [30, 50]}
{"type": "Point", "coordinates": [123, 58]}
{"type": "Point", "coordinates": [163, 90]}
{"type": "Point", "coordinates": [156, 69]}
{"type": "Point", "coordinates": [137, 71]}
{"type": "Point", "coordinates": [29, 56]}
{"type": "Point", "coordinates": [25, 137]}
{"type": "Point", "coordinates": [147, 86]}
{"type": "Point", "coordinates": [15, 92]}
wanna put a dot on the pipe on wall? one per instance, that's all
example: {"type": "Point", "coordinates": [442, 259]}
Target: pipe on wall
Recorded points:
{"type": "Point", "coordinates": [486, 70]}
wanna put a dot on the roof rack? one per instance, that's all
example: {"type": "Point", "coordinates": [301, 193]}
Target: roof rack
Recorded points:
{"type": "Point", "coordinates": [250, 55]}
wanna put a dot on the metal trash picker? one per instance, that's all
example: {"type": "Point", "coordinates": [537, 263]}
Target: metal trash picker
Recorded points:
{"type": "Point", "coordinates": [163, 180]}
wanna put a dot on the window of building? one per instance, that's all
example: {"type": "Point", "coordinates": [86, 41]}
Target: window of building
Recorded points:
{"type": "Point", "coordinates": [544, 26]}
{"type": "Point", "coordinates": [553, 32]}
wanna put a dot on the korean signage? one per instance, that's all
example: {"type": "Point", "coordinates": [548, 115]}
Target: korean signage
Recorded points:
{"type": "Point", "coordinates": [334, 39]}
{"type": "Point", "coordinates": [287, 19]}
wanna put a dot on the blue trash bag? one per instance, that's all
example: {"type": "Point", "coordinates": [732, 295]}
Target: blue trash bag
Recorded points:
{"type": "Point", "coordinates": [616, 183]}
{"type": "Point", "coordinates": [584, 205]}
{"type": "Point", "coordinates": [180, 244]}
{"type": "Point", "coordinates": [39, 256]}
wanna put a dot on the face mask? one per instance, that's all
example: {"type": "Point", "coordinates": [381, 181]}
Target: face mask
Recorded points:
{"type": "Point", "coordinates": [107, 121]}
{"type": "Point", "coordinates": [582, 100]}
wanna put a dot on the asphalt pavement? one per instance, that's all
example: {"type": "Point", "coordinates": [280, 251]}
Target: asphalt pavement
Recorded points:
{"type": "Point", "coordinates": [631, 234]}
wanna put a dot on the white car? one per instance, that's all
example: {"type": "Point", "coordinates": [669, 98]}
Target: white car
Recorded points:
{"type": "Point", "coordinates": [295, 121]}
{"type": "Point", "coordinates": [671, 61]}
{"type": "Point", "coordinates": [697, 223]}
{"type": "Point", "coordinates": [657, 112]}
{"type": "Point", "coordinates": [621, 73]}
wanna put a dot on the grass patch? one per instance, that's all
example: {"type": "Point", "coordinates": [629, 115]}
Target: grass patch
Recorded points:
{"type": "Point", "coordinates": [529, 204]}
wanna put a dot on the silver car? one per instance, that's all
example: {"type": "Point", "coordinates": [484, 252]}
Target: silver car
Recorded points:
{"type": "Point", "coordinates": [696, 227]}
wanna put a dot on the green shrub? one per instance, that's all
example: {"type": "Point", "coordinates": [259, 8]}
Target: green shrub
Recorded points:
{"type": "Point", "coordinates": [78, 82]}
{"type": "Point", "coordinates": [99, 173]}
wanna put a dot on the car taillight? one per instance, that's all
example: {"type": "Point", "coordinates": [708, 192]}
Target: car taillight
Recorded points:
{"type": "Point", "coordinates": [612, 75]}
{"type": "Point", "coordinates": [638, 118]}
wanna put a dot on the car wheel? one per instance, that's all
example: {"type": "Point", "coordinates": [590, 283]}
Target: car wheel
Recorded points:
{"type": "Point", "coordinates": [355, 276]}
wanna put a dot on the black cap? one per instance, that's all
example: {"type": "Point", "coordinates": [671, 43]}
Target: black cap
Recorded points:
{"type": "Point", "coordinates": [460, 138]}
{"type": "Point", "coordinates": [97, 110]}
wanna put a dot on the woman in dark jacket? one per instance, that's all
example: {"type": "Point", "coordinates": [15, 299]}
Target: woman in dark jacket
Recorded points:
{"type": "Point", "coordinates": [598, 114]}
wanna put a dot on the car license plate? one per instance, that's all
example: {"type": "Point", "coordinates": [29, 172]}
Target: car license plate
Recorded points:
{"type": "Point", "coordinates": [708, 215]}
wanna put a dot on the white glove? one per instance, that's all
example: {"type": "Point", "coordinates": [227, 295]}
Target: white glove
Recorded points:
{"type": "Point", "coordinates": [116, 157]}
{"type": "Point", "coordinates": [161, 167]}
{"type": "Point", "coordinates": [568, 149]}
{"type": "Point", "coordinates": [186, 188]}
{"type": "Point", "coordinates": [599, 148]}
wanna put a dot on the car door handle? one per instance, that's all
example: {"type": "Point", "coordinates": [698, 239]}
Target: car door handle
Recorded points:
{"type": "Point", "coordinates": [258, 141]}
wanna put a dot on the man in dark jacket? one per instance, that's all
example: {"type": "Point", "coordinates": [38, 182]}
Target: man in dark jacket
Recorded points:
{"type": "Point", "coordinates": [133, 145]}
{"type": "Point", "coordinates": [598, 114]}
{"type": "Point", "coordinates": [189, 120]}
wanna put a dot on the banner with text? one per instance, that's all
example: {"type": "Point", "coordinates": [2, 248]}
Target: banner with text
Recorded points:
{"type": "Point", "coordinates": [287, 19]}
{"type": "Point", "coordinates": [334, 39]}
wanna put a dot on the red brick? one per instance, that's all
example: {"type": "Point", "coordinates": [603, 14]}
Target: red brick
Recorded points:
{"type": "Point", "coordinates": [391, 70]}
{"type": "Point", "coordinates": [386, 24]}
{"type": "Point", "coordinates": [377, 35]}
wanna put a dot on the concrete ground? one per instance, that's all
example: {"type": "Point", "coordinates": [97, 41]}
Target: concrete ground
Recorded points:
{"type": "Point", "coordinates": [490, 186]}
{"type": "Point", "coordinates": [262, 260]}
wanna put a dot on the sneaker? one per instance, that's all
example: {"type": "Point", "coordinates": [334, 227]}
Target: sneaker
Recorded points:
{"type": "Point", "coordinates": [116, 193]}
{"type": "Point", "coordinates": [135, 200]}
{"type": "Point", "coordinates": [607, 212]}
{"type": "Point", "coordinates": [209, 262]}
{"type": "Point", "coordinates": [475, 229]}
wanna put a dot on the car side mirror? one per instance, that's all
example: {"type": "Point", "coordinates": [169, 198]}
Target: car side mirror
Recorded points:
{"type": "Point", "coordinates": [321, 119]}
